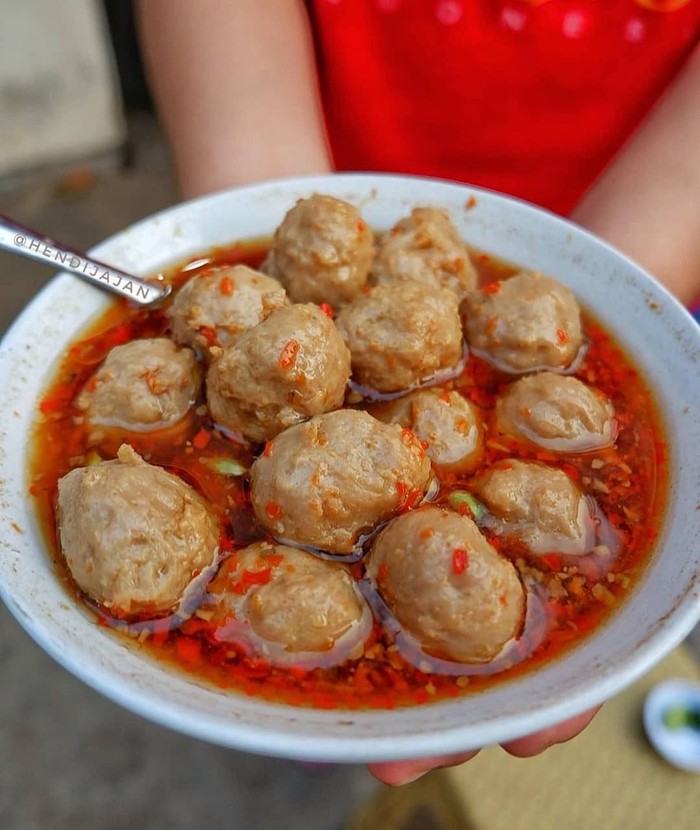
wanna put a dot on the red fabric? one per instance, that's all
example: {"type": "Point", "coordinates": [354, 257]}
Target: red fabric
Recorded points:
{"type": "Point", "coordinates": [529, 97]}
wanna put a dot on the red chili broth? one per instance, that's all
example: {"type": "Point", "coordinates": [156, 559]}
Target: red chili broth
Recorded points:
{"type": "Point", "coordinates": [633, 472]}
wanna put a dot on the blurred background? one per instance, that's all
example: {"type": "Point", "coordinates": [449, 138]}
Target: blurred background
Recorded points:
{"type": "Point", "coordinates": [81, 157]}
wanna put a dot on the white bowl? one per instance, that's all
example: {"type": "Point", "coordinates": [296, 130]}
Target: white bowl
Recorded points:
{"type": "Point", "coordinates": [679, 745]}
{"type": "Point", "coordinates": [661, 611]}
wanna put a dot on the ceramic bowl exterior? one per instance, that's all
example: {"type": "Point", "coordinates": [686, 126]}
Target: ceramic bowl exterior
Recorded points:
{"type": "Point", "coordinates": [660, 612]}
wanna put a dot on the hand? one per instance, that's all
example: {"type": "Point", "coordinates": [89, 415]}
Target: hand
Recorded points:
{"type": "Point", "coordinates": [396, 773]}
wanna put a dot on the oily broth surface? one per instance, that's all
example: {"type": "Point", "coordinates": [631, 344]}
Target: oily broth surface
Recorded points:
{"type": "Point", "coordinates": [627, 482]}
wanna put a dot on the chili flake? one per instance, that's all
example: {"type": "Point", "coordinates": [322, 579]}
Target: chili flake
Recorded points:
{"type": "Point", "coordinates": [407, 436]}
{"type": "Point", "coordinates": [201, 439]}
{"type": "Point", "coordinates": [460, 560]}
{"type": "Point", "coordinates": [273, 510]}
{"type": "Point", "coordinates": [407, 498]}
{"type": "Point", "coordinates": [552, 560]}
{"type": "Point", "coordinates": [188, 649]}
{"type": "Point", "coordinates": [49, 405]}
{"type": "Point", "coordinates": [413, 498]}
{"type": "Point", "coordinates": [119, 334]}
{"type": "Point", "coordinates": [226, 543]}
{"type": "Point", "coordinates": [288, 355]}
{"type": "Point", "coordinates": [209, 334]}
{"type": "Point", "coordinates": [327, 309]}
{"type": "Point", "coordinates": [462, 425]}
{"type": "Point", "coordinates": [226, 286]}
{"type": "Point", "coordinates": [249, 578]}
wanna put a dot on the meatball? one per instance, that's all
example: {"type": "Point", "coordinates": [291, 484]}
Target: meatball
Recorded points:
{"type": "Point", "coordinates": [142, 386]}
{"type": "Point", "coordinates": [133, 535]}
{"type": "Point", "coordinates": [322, 251]}
{"type": "Point", "coordinates": [426, 247]}
{"type": "Point", "coordinates": [557, 412]}
{"type": "Point", "coordinates": [539, 506]}
{"type": "Point", "coordinates": [402, 333]}
{"type": "Point", "coordinates": [447, 422]}
{"type": "Point", "coordinates": [289, 367]}
{"type": "Point", "coordinates": [447, 586]}
{"type": "Point", "coordinates": [526, 322]}
{"type": "Point", "coordinates": [326, 482]}
{"type": "Point", "coordinates": [215, 307]}
{"type": "Point", "coordinates": [306, 605]}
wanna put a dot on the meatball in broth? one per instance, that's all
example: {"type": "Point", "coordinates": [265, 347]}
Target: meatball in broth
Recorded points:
{"type": "Point", "coordinates": [539, 506]}
{"type": "Point", "coordinates": [326, 482]}
{"type": "Point", "coordinates": [401, 334]}
{"type": "Point", "coordinates": [557, 412]}
{"type": "Point", "coordinates": [446, 422]}
{"type": "Point", "coordinates": [289, 367]}
{"type": "Point", "coordinates": [425, 247]}
{"type": "Point", "coordinates": [309, 611]}
{"type": "Point", "coordinates": [447, 586]}
{"type": "Point", "coordinates": [524, 323]}
{"type": "Point", "coordinates": [213, 308]}
{"type": "Point", "coordinates": [322, 251]}
{"type": "Point", "coordinates": [134, 535]}
{"type": "Point", "coordinates": [142, 386]}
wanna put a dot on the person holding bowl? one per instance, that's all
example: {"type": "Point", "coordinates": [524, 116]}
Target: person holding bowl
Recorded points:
{"type": "Point", "coordinates": [587, 108]}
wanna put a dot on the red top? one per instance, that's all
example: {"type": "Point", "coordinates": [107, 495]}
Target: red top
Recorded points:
{"type": "Point", "coordinates": [529, 97]}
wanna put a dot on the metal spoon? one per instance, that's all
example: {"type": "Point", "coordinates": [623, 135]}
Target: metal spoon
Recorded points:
{"type": "Point", "coordinates": [25, 242]}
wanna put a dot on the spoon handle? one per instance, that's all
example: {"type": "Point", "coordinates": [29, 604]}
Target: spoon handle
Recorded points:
{"type": "Point", "coordinates": [17, 239]}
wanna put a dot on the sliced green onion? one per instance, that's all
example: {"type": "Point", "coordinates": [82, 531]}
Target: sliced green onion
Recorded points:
{"type": "Point", "coordinates": [678, 717]}
{"type": "Point", "coordinates": [459, 497]}
{"type": "Point", "coordinates": [93, 458]}
{"type": "Point", "coordinates": [225, 466]}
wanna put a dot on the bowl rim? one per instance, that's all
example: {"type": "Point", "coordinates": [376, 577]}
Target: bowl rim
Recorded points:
{"type": "Point", "coordinates": [326, 747]}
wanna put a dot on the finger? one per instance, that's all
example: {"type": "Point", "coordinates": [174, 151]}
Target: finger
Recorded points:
{"type": "Point", "coordinates": [396, 773]}
{"type": "Point", "coordinates": [539, 741]}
